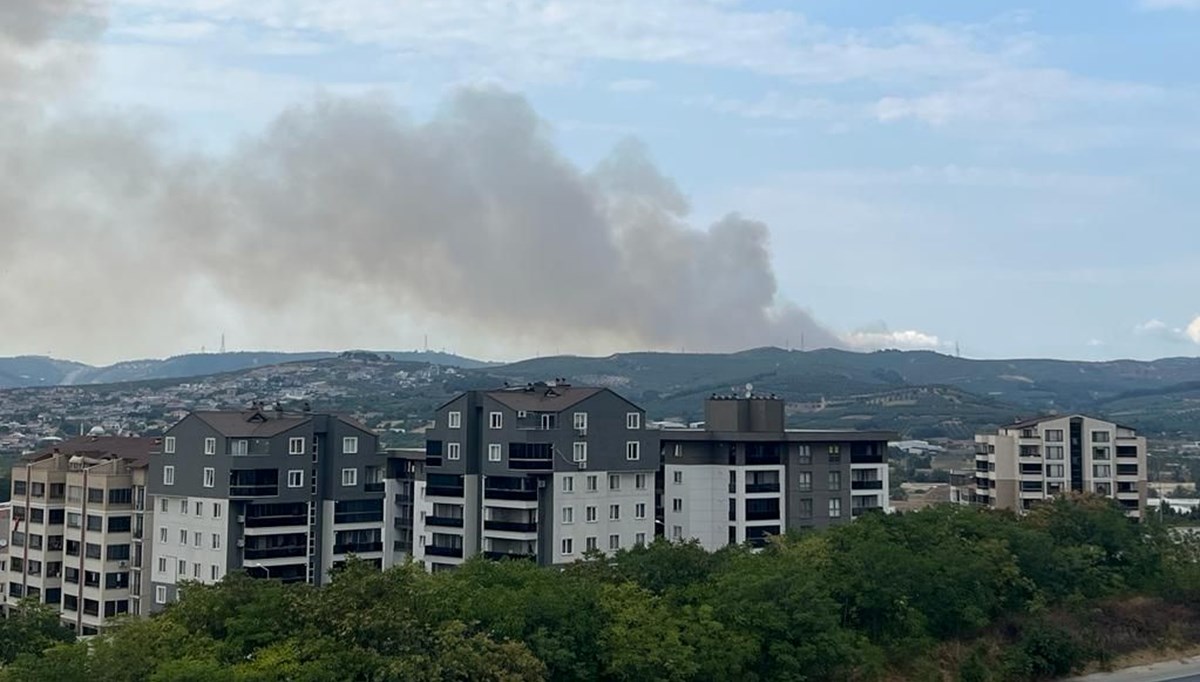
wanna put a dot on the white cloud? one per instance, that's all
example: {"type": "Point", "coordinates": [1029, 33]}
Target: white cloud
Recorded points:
{"type": "Point", "coordinates": [1157, 329]}
{"type": "Point", "coordinates": [883, 339]}
{"type": "Point", "coordinates": [632, 85]}
{"type": "Point", "coordinates": [1193, 330]}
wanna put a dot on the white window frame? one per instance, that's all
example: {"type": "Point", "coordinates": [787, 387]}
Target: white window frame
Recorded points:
{"type": "Point", "coordinates": [454, 420]}
{"type": "Point", "coordinates": [568, 546]}
{"type": "Point", "coordinates": [216, 541]}
{"type": "Point", "coordinates": [579, 452]}
{"type": "Point", "coordinates": [183, 536]}
{"type": "Point", "coordinates": [214, 572]}
{"type": "Point", "coordinates": [633, 420]}
{"type": "Point", "coordinates": [590, 544]}
{"type": "Point", "coordinates": [350, 445]}
{"type": "Point", "coordinates": [568, 484]}
{"type": "Point", "coordinates": [160, 594]}
{"type": "Point", "coordinates": [677, 477]}
{"type": "Point", "coordinates": [593, 483]}
{"type": "Point", "coordinates": [579, 421]}
{"type": "Point", "coordinates": [639, 539]}
{"type": "Point", "coordinates": [614, 542]}
{"type": "Point", "coordinates": [639, 511]}
{"type": "Point", "coordinates": [677, 504]}
{"type": "Point", "coordinates": [162, 504]}
{"type": "Point", "coordinates": [835, 507]}
{"type": "Point", "coordinates": [162, 535]}
{"type": "Point", "coordinates": [495, 452]}
{"type": "Point", "coordinates": [216, 510]}
{"type": "Point", "coordinates": [298, 474]}
{"type": "Point", "coordinates": [633, 450]}
{"type": "Point", "coordinates": [199, 508]}
{"type": "Point", "coordinates": [162, 564]}
{"type": "Point", "coordinates": [614, 481]}
{"type": "Point", "coordinates": [168, 475]}
{"type": "Point", "coordinates": [568, 515]}
{"type": "Point", "coordinates": [614, 512]}
{"type": "Point", "coordinates": [210, 477]}
{"type": "Point", "coordinates": [169, 445]}
{"type": "Point", "coordinates": [351, 475]}
{"type": "Point", "coordinates": [495, 420]}
{"type": "Point", "coordinates": [197, 539]}
{"type": "Point", "coordinates": [639, 481]}
{"type": "Point", "coordinates": [296, 445]}
{"type": "Point", "coordinates": [591, 514]}
{"type": "Point", "coordinates": [453, 451]}
{"type": "Point", "coordinates": [210, 446]}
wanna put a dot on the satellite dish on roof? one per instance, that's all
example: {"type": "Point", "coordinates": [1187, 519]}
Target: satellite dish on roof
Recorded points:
{"type": "Point", "coordinates": [749, 390]}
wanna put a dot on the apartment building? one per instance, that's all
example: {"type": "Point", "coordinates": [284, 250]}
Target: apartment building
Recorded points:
{"type": "Point", "coordinates": [744, 477]}
{"type": "Point", "coordinates": [406, 506]}
{"type": "Point", "coordinates": [547, 471]}
{"type": "Point", "coordinates": [285, 495]}
{"type": "Point", "coordinates": [1031, 461]}
{"type": "Point", "coordinates": [78, 512]}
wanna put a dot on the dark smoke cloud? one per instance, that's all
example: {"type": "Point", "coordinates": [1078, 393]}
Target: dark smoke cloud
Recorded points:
{"type": "Point", "coordinates": [344, 216]}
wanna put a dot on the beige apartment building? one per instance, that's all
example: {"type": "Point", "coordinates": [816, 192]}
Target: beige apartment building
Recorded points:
{"type": "Point", "coordinates": [78, 512]}
{"type": "Point", "coordinates": [1031, 461]}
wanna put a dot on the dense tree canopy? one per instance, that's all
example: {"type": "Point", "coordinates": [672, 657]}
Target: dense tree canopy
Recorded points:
{"type": "Point", "coordinates": [982, 595]}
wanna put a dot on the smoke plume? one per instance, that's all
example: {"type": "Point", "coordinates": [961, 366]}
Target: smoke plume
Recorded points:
{"type": "Point", "coordinates": [345, 218]}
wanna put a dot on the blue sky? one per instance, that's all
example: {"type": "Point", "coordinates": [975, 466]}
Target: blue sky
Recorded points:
{"type": "Point", "coordinates": [1014, 178]}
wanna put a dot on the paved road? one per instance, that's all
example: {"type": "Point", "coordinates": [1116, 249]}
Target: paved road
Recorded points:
{"type": "Point", "coordinates": [1183, 670]}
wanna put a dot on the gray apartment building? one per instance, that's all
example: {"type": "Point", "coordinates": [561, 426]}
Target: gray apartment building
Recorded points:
{"type": "Point", "coordinates": [547, 471]}
{"type": "Point", "coordinates": [744, 477]}
{"type": "Point", "coordinates": [279, 494]}
{"type": "Point", "coordinates": [77, 523]}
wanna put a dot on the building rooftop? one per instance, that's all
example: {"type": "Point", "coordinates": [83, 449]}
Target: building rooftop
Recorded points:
{"type": "Point", "coordinates": [135, 449]}
{"type": "Point", "coordinates": [543, 397]}
{"type": "Point", "coordinates": [261, 422]}
{"type": "Point", "coordinates": [790, 435]}
{"type": "Point", "coordinates": [1034, 421]}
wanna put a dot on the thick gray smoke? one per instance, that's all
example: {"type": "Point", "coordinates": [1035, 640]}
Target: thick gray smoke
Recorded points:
{"type": "Point", "coordinates": [344, 216]}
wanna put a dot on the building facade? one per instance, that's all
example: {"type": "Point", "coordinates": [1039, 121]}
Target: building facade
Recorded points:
{"type": "Point", "coordinates": [546, 471]}
{"type": "Point", "coordinates": [1034, 460]}
{"type": "Point", "coordinates": [286, 495]}
{"type": "Point", "coordinates": [406, 506]}
{"type": "Point", "coordinates": [744, 477]}
{"type": "Point", "coordinates": [78, 515]}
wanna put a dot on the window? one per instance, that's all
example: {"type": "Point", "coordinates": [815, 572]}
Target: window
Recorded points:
{"type": "Point", "coordinates": [835, 480]}
{"type": "Point", "coordinates": [676, 532]}
{"type": "Point", "coordinates": [614, 512]}
{"type": "Point", "coordinates": [639, 510]}
{"type": "Point", "coordinates": [199, 509]}
{"type": "Point", "coordinates": [1054, 452]}
{"type": "Point", "coordinates": [804, 455]}
{"type": "Point", "coordinates": [210, 477]}
{"type": "Point", "coordinates": [568, 515]}
{"type": "Point", "coordinates": [1100, 452]}
{"type": "Point", "coordinates": [806, 508]}
{"type": "Point", "coordinates": [453, 450]}
{"type": "Point", "coordinates": [496, 420]}
{"type": "Point", "coordinates": [568, 484]}
{"type": "Point", "coordinates": [169, 445]}
{"type": "Point", "coordinates": [633, 420]}
{"type": "Point", "coordinates": [214, 572]}
{"type": "Point", "coordinates": [578, 452]}
{"type": "Point", "coordinates": [74, 492]}
{"type": "Point", "coordinates": [162, 505]}
{"type": "Point", "coordinates": [593, 483]}
{"type": "Point", "coordinates": [210, 446]}
{"type": "Point", "coordinates": [95, 495]}
{"type": "Point", "coordinates": [183, 507]}
{"type": "Point", "coordinates": [120, 496]}
{"type": "Point", "coordinates": [639, 481]}
{"type": "Point", "coordinates": [678, 478]}
{"type": "Point", "coordinates": [549, 421]}
{"type": "Point", "coordinates": [590, 544]}
{"type": "Point", "coordinates": [614, 481]}
{"type": "Point", "coordinates": [216, 541]}
{"type": "Point", "coordinates": [95, 523]}
{"type": "Point", "coordinates": [162, 564]}
{"type": "Point", "coordinates": [835, 507]}
{"type": "Point", "coordinates": [296, 446]}
{"type": "Point", "coordinates": [183, 536]}
{"type": "Point", "coordinates": [295, 478]}
{"type": "Point", "coordinates": [92, 551]}
{"type": "Point", "coordinates": [454, 420]}
{"type": "Point", "coordinates": [216, 510]}
{"type": "Point", "coordinates": [182, 571]}
{"type": "Point", "coordinates": [494, 452]}
{"type": "Point", "coordinates": [633, 450]}
{"type": "Point", "coordinates": [240, 446]}
{"type": "Point", "coordinates": [590, 514]}
{"type": "Point", "coordinates": [805, 481]}
{"type": "Point", "coordinates": [568, 546]}
{"type": "Point", "coordinates": [168, 475]}
{"type": "Point", "coordinates": [197, 539]}
{"type": "Point", "coordinates": [160, 594]}
{"type": "Point", "coordinates": [677, 504]}
{"type": "Point", "coordinates": [196, 571]}
{"type": "Point", "coordinates": [835, 454]}
{"type": "Point", "coordinates": [349, 477]}
{"type": "Point", "coordinates": [639, 539]}
{"type": "Point", "coordinates": [1100, 436]}
{"type": "Point", "coordinates": [74, 520]}
{"type": "Point", "coordinates": [162, 534]}
{"type": "Point", "coordinates": [1102, 471]}
{"type": "Point", "coordinates": [1054, 470]}
{"type": "Point", "coordinates": [1054, 435]}
{"type": "Point", "coordinates": [350, 445]}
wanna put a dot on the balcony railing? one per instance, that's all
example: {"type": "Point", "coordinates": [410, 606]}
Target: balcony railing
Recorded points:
{"type": "Point", "coordinates": [510, 526]}
{"type": "Point", "coordinates": [762, 515]}
{"type": "Point", "coordinates": [505, 494]}
{"type": "Point", "coordinates": [373, 487]}
{"type": "Point", "coordinates": [298, 552]}
{"type": "Point", "coordinates": [531, 464]}
{"type": "Point", "coordinates": [867, 458]}
{"type": "Point", "coordinates": [254, 490]}
{"type": "Point", "coordinates": [859, 511]}
{"type": "Point", "coordinates": [762, 487]}
{"type": "Point", "coordinates": [498, 556]}
{"type": "Point", "coordinates": [358, 547]}
{"type": "Point", "coordinates": [275, 521]}
{"type": "Point", "coordinates": [447, 521]}
{"type": "Point", "coordinates": [443, 491]}
{"type": "Point", "coordinates": [866, 485]}
{"type": "Point", "coordinates": [434, 550]}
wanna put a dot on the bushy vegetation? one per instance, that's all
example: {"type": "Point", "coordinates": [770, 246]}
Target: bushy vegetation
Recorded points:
{"type": "Point", "coordinates": [946, 593]}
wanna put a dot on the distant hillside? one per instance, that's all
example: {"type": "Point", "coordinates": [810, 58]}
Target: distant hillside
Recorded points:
{"type": "Point", "coordinates": [30, 371]}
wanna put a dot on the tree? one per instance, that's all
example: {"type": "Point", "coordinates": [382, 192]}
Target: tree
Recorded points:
{"type": "Point", "coordinates": [30, 628]}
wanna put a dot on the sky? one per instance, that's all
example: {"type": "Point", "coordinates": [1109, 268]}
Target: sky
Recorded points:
{"type": "Point", "coordinates": [990, 178]}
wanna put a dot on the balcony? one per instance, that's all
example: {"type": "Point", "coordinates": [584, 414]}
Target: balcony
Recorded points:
{"type": "Point", "coordinates": [434, 550]}
{"type": "Point", "coordinates": [859, 511]}
{"type": "Point", "coordinates": [443, 491]}
{"type": "Point", "coordinates": [762, 487]}
{"type": "Point", "coordinates": [499, 556]}
{"type": "Point", "coordinates": [510, 526]}
{"type": "Point", "coordinates": [446, 521]}
{"type": "Point", "coordinates": [376, 487]}
{"type": "Point", "coordinates": [510, 494]}
{"type": "Point", "coordinates": [299, 552]}
{"type": "Point", "coordinates": [866, 485]}
{"type": "Point", "coordinates": [767, 515]}
{"type": "Point", "coordinates": [253, 491]}
{"type": "Point", "coordinates": [531, 464]}
{"type": "Point", "coordinates": [275, 521]}
{"type": "Point", "coordinates": [361, 548]}
{"type": "Point", "coordinates": [867, 453]}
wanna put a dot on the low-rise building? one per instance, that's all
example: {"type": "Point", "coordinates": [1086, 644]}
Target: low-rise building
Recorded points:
{"type": "Point", "coordinates": [1034, 460]}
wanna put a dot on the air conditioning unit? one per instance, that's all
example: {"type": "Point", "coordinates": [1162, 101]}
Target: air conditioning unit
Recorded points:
{"type": "Point", "coordinates": [241, 542]}
{"type": "Point", "coordinates": [241, 518]}
{"type": "Point", "coordinates": [122, 564]}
